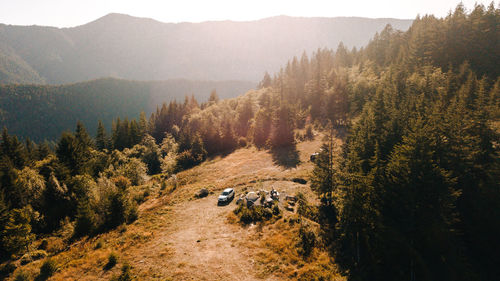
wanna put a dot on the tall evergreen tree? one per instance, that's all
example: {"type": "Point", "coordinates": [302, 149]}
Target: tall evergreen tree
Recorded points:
{"type": "Point", "coordinates": [282, 131]}
{"type": "Point", "coordinates": [102, 141]}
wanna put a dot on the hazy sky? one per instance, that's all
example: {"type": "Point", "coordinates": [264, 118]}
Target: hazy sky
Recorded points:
{"type": "Point", "coordinates": [65, 13]}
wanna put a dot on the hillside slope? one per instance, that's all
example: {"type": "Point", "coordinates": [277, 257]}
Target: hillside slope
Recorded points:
{"type": "Point", "coordinates": [144, 49]}
{"type": "Point", "coordinates": [44, 112]}
{"type": "Point", "coordinates": [178, 237]}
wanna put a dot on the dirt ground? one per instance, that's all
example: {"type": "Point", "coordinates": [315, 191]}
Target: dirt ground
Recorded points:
{"type": "Point", "coordinates": [202, 245]}
{"type": "Point", "coordinates": [178, 237]}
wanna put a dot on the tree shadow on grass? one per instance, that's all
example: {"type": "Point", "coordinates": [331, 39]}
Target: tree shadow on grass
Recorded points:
{"type": "Point", "coordinates": [286, 157]}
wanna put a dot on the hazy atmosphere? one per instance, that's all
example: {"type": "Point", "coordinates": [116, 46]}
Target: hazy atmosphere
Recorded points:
{"type": "Point", "coordinates": [250, 141]}
{"type": "Point", "coordinates": [63, 13]}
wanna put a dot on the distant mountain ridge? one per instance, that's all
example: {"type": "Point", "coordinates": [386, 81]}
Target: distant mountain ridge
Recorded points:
{"type": "Point", "coordinates": [128, 47]}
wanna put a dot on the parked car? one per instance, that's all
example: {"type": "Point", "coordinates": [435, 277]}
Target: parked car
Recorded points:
{"type": "Point", "coordinates": [226, 196]}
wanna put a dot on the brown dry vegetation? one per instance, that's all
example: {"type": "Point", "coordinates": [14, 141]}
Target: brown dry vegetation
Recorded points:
{"type": "Point", "coordinates": [178, 237]}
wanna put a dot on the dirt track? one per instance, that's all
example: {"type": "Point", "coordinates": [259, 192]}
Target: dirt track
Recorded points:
{"type": "Point", "coordinates": [202, 245]}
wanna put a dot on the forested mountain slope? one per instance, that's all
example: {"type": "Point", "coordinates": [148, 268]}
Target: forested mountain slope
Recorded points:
{"type": "Point", "coordinates": [44, 112]}
{"type": "Point", "coordinates": [127, 47]}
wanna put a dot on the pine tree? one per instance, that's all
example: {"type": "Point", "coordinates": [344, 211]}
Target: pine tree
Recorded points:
{"type": "Point", "coordinates": [102, 141]}
{"type": "Point", "coordinates": [16, 235]}
{"type": "Point", "coordinates": [214, 98]}
{"type": "Point", "coordinates": [143, 125]}
{"type": "Point", "coordinates": [4, 218]}
{"type": "Point", "coordinates": [228, 138]}
{"type": "Point", "coordinates": [135, 133]}
{"type": "Point", "coordinates": [262, 128]}
{"type": "Point", "coordinates": [323, 180]}
{"type": "Point", "coordinates": [282, 132]}
{"type": "Point", "coordinates": [83, 139]}
{"type": "Point", "coordinates": [66, 152]}
{"type": "Point", "coordinates": [266, 81]}
{"type": "Point", "coordinates": [198, 149]}
{"type": "Point", "coordinates": [245, 114]}
{"type": "Point", "coordinates": [12, 148]}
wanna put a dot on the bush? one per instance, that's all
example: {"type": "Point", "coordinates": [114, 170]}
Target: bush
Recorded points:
{"type": "Point", "coordinates": [186, 160]}
{"type": "Point", "coordinates": [99, 244]}
{"type": "Point", "coordinates": [266, 213]}
{"type": "Point", "coordinates": [43, 245]}
{"type": "Point", "coordinates": [112, 261]}
{"type": "Point", "coordinates": [126, 274]}
{"type": "Point", "coordinates": [116, 210]}
{"type": "Point", "coordinates": [121, 182]}
{"type": "Point", "coordinates": [133, 213]}
{"type": "Point", "coordinates": [307, 240]}
{"type": "Point", "coordinates": [22, 276]}
{"type": "Point", "coordinates": [7, 269]}
{"type": "Point", "coordinates": [48, 268]}
{"type": "Point", "coordinates": [33, 256]}
{"type": "Point", "coordinates": [246, 217]}
{"type": "Point", "coordinates": [309, 135]}
{"type": "Point", "coordinates": [299, 137]}
{"type": "Point", "coordinates": [242, 142]}
{"type": "Point", "coordinates": [253, 214]}
{"type": "Point", "coordinates": [85, 220]}
{"type": "Point", "coordinates": [304, 209]}
{"type": "Point", "coordinates": [276, 210]}
{"type": "Point", "coordinates": [163, 185]}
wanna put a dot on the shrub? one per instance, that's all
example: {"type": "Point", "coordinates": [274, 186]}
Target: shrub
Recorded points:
{"type": "Point", "coordinates": [116, 210]}
{"type": "Point", "coordinates": [299, 137]}
{"type": "Point", "coordinates": [304, 209]}
{"type": "Point", "coordinates": [43, 245]}
{"type": "Point", "coordinates": [186, 160]}
{"type": "Point", "coordinates": [126, 274]}
{"type": "Point", "coordinates": [33, 256]}
{"type": "Point", "coordinates": [99, 244]}
{"type": "Point", "coordinates": [7, 269]}
{"type": "Point", "coordinates": [85, 220]}
{"type": "Point", "coordinates": [276, 210]}
{"type": "Point", "coordinates": [48, 268]}
{"type": "Point", "coordinates": [266, 213]}
{"type": "Point", "coordinates": [163, 185]}
{"type": "Point", "coordinates": [121, 182]}
{"type": "Point", "coordinates": [242, 142]}
{"type": "Point", "coordinates": [253, 214]}
{"type": "Point", "coordinates": [309, 135]}
{"type": "Point", "coordinates": [22, 276]}
{"type": "Point", "coordinates": [246, 217]}
{"type": "Point", "coordinates": [112, 261]}
{"type": "Point", "coordinates": [133, 213]}
{"type": "Point", "coordinates": [122, 228]}
{"type": "Point", "coordinates": [307, 240]}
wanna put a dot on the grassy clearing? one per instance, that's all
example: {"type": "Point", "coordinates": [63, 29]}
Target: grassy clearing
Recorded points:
{"type": "Point", "coordinates": [162, 244]}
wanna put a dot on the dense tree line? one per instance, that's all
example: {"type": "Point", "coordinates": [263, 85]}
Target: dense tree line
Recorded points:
{"type": "Point", "coordinates": [42, 112]}
{"type": "Point", "coordinates": [415, 191]}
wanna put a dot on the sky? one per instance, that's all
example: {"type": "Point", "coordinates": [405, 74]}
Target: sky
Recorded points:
{"type": "Point", "coordinates": [68, 13]}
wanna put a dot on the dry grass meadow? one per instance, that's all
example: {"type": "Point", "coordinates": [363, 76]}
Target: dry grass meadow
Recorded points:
{"type": "Point", "coordinates": [179, 237]}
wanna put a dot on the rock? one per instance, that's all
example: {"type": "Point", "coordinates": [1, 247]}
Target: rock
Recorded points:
{"type": "Point", "coordinates": [202, 193]}
{"type": "Point", "coordinates": [299, 180]}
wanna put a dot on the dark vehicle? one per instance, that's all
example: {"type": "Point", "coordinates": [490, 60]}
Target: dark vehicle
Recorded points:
{"type": "Point", "coordinates": [314, 156]}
